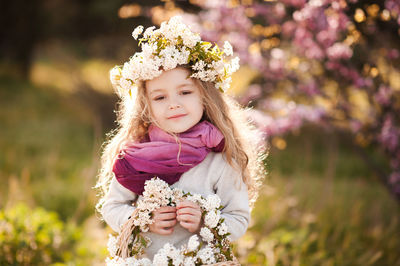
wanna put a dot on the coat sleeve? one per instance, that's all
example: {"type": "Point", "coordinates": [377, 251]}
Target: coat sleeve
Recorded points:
{"type": "Point", "coordinates": [234, 197]}
{"type": "Point", "coordinates": [117, 206]}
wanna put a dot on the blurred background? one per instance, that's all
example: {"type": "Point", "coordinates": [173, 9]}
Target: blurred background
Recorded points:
{"type": "Point", "coordinates": [322, 79]}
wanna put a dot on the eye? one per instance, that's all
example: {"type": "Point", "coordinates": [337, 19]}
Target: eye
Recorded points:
{"type": "Point", "coordinates": [159, 98]}
{"type": "Point", "coordinates": [186, 92]}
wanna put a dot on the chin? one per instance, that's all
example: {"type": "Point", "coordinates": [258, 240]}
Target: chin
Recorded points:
{"type": "Point", "coordinates": [178, 130]}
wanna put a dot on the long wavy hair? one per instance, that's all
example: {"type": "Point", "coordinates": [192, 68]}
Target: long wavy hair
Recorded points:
{"type": "Point", "coordinates": [244, 148]}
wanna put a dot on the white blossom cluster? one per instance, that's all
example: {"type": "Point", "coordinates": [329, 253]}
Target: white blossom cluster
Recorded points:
{"type": "Point", "coordinates": [157, 193]}
{"type": "Point", "coordinates": [131, 261]}
{"type": "Point", "coordinates": [118, 261]}
{"type": "Point", "coordinates": [215, 233]}
{"type": "Point", "coordinates": [112, 245]}
{"type": "Point", "coordinates": [171, 45]}
{"type": "Point", "coordinates": [170, 254]}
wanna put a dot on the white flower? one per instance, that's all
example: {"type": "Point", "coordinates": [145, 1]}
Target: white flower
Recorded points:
{"type": "Point", "coordinates": [169, 63]}
{"type": "Point", "coordinates": [157, 190]}
{"type": "Point", "coordinates": [148, 32]}
{"type": "Point", "coordinates": [196, 198]}
{"type": "Point", "coordinates": [127, 71]}
{"type": "Point", "coordinates": [226, 84]}
{"type": "Point", "coordinates": [228, 48]}
{"type": "Point", "coordinates": [112, 245]}
{"type": "Point", "coordinates": [171, 56]}
{"type": "Point", "coordinates": [212, 202]}
{"type": "Point", "coordinates": [219, 67]}
{"type": "Point", "coordinates": [115, 75]}
{"type": "Point", "coordinates": [190, 39]}
{"type": "Point", "coordinates": [168, 248]}
{"type": "Point", "coordinates": [172, 29]}
{"type": "Point", "coordinates": [167, 252]}
{"type": "Point", "coordinates": [177, 194]}
{"type": "Point", "coordinates": [206, 234]}
{"type": "Point", "coordinates": [206, 255]}
{"type": "Point", "coordinates": [189, 261]}
{"type": "Point", "coordinates": [233, 66]}
{"type": "Point", "coordinates": [223, 229]}
{"type": "Point", "coordinates": [183, 57]}
{"type": "Point", "coordinates": [205, 75]}
{"type": "Point", "coordinates": [160, 259]}
{"type": "Point", "coordinates": [138, 30]}
{"type": "Point", "coordinates": [200, 65]}
{"type": "Point", "coordinates": [144, 262]}
{"type": "Point", "coordinates": [143, 219]}
{"type": "Point", "coordinates": [177, 258]}
{"type": "Point", "coordinates": [125, 84]}
{"type": "Point", "coordinates": [131, 261]}
{"type": "Point", "coordinates": [148, 49]}
{"type": "Point", "coordinates": [211, 219]}
{"type": "Point", "coordinates": [117, 261]}
{"type": "Point", "coordinates": [193, 243]}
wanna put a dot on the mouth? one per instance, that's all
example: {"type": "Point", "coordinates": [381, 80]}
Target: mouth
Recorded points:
{"type": "Point", "coordinates": [176, 116]}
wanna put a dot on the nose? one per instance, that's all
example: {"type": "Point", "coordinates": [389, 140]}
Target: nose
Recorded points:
{"type": "Point", "coordinates": [174, 104]}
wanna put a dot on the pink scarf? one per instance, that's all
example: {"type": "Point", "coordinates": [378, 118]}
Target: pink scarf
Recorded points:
{"type": "Point", "coordinates": [139, 162]}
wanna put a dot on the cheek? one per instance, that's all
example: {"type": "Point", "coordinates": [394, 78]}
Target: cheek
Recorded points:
{"type": "Point", "coordinates": [200, 104]}
{"type": "Point", "coordinates": [155, 110]}
{"type": "Point", "coordinates": [198, 107]}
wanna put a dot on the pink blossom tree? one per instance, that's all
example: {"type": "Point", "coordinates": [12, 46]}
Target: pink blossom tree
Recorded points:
{"type": "Point", "coordinates": [336, 62]}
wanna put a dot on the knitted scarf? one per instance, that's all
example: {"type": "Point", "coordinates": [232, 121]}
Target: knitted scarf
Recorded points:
{"type": "Point", "coordinates": [162, 156]}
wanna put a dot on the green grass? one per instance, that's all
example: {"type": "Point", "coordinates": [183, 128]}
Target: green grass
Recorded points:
{"type": "Point", "coordinates": [321, 153]}
{"type": "Point", "coordinates": [46, 143]}
{"type": "Point", "coordinates": [302, 221]}
{"type": "Point", "coordinates": [321, 205]}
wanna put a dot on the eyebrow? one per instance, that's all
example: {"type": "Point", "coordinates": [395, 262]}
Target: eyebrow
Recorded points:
{"type": "Point", "coordinates": [179, 86]}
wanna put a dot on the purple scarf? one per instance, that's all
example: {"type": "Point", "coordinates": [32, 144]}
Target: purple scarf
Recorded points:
{"type": "Point", "coordinates": [139, 162]}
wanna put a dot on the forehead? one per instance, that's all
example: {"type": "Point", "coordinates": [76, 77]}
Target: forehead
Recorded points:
{"type": "Point", "coordinates": [170, 79]}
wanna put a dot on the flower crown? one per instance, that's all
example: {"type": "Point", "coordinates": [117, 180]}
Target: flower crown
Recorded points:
{"type": "Point", "coordinates": [171, 45]}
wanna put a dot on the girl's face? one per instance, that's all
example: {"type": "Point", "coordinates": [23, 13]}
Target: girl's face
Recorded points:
{"type": "Point", "coordinates": [175, 101]}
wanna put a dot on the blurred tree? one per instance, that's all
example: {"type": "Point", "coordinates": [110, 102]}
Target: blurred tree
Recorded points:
{"type": "Point", "coordinates": [35, 237]}
{"type": "Point", "coordinates": [26, 24]}
{"type": "Point", "coordinates": [19, 28]}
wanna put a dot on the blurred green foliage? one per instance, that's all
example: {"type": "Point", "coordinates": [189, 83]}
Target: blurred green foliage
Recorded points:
{"type": "Point", "coordinates": [321, 206]}
{"type": "Point", "coordinates": [302, 221]}
{"type": "Point", "coordinates": [35, 237]}
{"type": "Point", "coordinates": [47, 143]}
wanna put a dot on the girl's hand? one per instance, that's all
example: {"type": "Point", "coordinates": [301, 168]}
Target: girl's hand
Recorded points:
{"type": "Point", "coordinates": [164, 220]}
{"type": "Point", "coordinates": [189, 215]}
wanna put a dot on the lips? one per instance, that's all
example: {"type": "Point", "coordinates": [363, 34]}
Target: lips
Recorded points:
{"type": "Point", "coordinates": [176, 116]}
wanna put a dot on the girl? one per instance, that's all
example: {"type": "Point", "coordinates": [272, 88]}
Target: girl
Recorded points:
{"type": "Point", "coordinates": [174, 123]}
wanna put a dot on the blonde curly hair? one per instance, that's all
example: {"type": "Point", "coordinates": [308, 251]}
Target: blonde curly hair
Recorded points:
{"type": "Point", "coordinates": [244, 148]}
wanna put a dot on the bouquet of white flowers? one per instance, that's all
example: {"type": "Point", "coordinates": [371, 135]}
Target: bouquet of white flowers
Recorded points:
{"type": "Point", "coordinates": [129, 246]}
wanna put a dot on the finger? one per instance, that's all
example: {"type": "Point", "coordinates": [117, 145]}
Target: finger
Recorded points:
{"type": "Point", "coordinates": [188, 218]}
{"type": "Point", "coordinates": [165, 231]}
{"type": "Point", "coordinates": [166, 224]}
{"type": "Point", "coordinates": [166, 209]}
{"type": "Point", "coordinates": [186, 204]}
{"type": "Point", "coordinates": [189, 226]}
{"type": "Point", "coordinates": [165, 216]}
{"type": "Point", "coordinates": [189, 211]}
